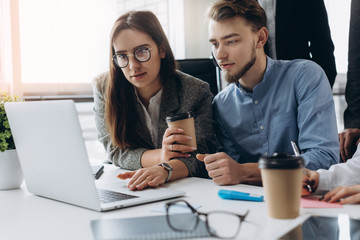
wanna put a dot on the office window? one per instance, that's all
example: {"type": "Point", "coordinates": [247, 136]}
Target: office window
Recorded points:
{"type": "Point", "coordinates": [64, 44]}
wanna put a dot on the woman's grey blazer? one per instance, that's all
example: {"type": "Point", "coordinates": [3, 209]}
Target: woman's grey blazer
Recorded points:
{"type": "Point", "coordinates": [181, 94]}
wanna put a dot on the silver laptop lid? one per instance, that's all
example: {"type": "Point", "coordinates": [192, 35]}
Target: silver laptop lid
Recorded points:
{"type": "Point", "coordinates": [52, 152]}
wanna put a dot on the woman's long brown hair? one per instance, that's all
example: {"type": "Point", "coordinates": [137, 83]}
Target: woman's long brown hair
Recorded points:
{"type": "Point", "coordinates": [121, 116]}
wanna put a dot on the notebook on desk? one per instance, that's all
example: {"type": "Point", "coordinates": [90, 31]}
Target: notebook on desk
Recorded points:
{"type": "Point", "coordinates": [54, 160]}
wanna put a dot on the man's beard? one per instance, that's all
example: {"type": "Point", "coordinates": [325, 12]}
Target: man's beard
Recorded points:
{"type": "Point", "coordinates": [235, 78]}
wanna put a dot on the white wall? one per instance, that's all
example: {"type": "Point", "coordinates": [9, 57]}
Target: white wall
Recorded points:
{"type": "Point", "coordinates": [196, 38]}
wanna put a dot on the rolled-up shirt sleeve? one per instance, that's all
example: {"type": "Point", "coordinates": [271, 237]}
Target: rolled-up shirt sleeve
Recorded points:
{"type": "Point", "coordinates": [316, 119]}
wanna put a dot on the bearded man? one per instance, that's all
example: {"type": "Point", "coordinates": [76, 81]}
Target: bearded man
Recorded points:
{"type": "Point", "coordinates": [268, 103]}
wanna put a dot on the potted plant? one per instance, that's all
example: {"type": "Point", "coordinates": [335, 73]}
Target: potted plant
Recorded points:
{"type": "Point", "coordinates": [10, 172]}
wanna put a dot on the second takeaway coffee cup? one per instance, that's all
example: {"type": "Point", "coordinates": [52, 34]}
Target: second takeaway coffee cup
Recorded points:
{"type": "Point", "coordinates": [282, 179]}
{"type": "Point", "coordinates": [186, 122]}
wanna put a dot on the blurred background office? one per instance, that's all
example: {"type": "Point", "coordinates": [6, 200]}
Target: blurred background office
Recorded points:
{"type": "Point", "coordinates": [51, 49]}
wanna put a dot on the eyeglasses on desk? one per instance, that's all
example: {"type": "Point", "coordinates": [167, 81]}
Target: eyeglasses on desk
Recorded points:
{"type": "Point", "coordinates": [219, 224]}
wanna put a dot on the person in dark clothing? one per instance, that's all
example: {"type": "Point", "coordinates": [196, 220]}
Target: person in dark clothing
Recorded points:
{"type": "Point", "coordinates": [350, 137]}
{"type": "Point", "coordinates": [300, 30]}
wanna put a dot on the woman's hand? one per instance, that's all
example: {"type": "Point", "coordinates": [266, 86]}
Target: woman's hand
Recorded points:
{"type": "Point", "coordinates": [145, 177]}
{"type": "Point", "coordinates": [343, 195]}
{"type": "Point", "coordinates": [170, 149]}
{"type": "Point", "coordinates": [310, 182]}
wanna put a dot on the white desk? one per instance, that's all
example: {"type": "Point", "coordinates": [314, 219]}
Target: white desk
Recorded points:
{"type": "Point", "coordinates": [26, 216]}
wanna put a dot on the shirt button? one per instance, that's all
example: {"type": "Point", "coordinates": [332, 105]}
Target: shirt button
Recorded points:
{"type": "Point", "coordinates": [261, 127]}
{"type": "Point", "coordinates": [265, 153]}
{"type": "Point", "coordinates": [256, 102]}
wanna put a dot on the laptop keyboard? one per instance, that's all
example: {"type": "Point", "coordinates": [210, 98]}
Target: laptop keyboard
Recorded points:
{"type": "Point", "coordinates": [107, 196]}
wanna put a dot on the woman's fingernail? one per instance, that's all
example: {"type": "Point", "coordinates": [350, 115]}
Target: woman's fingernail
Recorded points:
{"type": "Point", "coordinates": [193, 148]}
{"type": "Point", "coordinates": [189, 137]}
{"type": "Point", "coordinates": [180, 130]}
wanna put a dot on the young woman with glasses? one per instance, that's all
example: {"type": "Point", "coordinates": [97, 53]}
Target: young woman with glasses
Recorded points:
{"type": "Point", "coordinates": [133, 99]}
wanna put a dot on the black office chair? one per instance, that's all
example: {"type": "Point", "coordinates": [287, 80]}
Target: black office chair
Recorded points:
{"type": "Point", "coordinates": [204, 69]}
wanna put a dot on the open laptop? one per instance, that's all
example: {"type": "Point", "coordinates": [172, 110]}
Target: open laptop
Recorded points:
{"type": "Point", "coordinates": [54, 160]}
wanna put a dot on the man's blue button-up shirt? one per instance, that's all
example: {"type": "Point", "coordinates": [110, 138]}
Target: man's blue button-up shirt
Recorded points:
{"type": "Point", "coordinates": [293, 102]}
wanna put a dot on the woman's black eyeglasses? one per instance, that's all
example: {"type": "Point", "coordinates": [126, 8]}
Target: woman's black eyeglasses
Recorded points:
{"type": "Point", "coordinates": [141, 55]}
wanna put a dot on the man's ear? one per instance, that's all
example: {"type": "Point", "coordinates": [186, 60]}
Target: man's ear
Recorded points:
{"type": "Point", "coordinates": [263, 35]}
{"type": "Point", "coordinates": [162, 51]}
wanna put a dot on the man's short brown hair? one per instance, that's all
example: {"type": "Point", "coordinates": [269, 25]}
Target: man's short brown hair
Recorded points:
{"type": "Point", "coordinates": [251, 10]}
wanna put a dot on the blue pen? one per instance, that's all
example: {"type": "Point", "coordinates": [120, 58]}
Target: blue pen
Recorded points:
{"type": "Point", "coordinates": [235, 195]}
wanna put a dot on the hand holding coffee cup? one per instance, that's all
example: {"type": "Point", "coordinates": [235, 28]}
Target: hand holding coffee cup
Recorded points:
{"type": "Point", "coordinates": [170, 149]}
{"type": "Point", "coordinates": [184, 121]}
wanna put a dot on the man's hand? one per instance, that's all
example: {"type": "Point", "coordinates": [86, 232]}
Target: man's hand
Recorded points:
{"type": "Point", "coordinates": [145, 177]}
{"type": "Point", "coordinates": [310, 181]}
{"type": "Point", "coordinates": [226, 171]}
{"type": "Point", "coordinates": [344, 195]}
{"type": "Point", "coordinates": [349, 139]}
